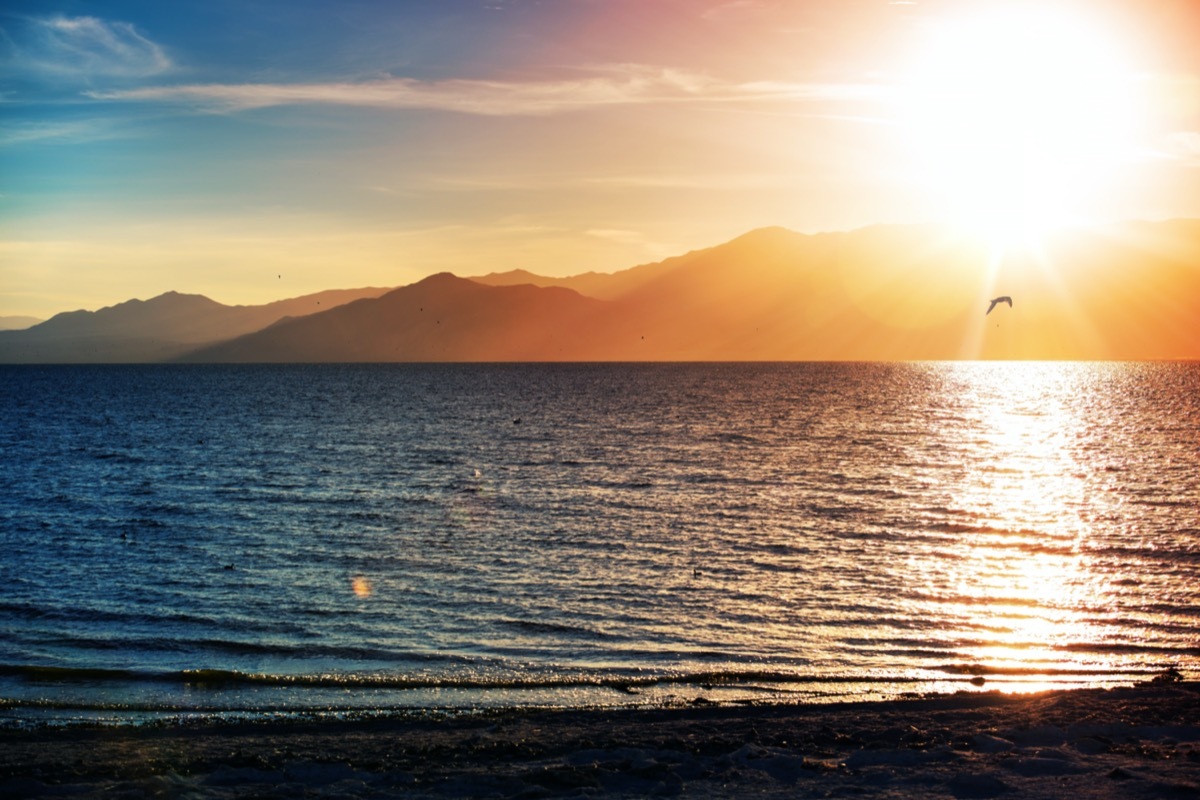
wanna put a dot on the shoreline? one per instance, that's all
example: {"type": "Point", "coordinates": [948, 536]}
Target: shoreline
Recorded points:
{"type": "Point", "coordinates": [1141, 741]}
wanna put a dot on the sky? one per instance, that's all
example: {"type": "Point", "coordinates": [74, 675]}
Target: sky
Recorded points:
{"type": "Point", "coordinates": [252, 150]}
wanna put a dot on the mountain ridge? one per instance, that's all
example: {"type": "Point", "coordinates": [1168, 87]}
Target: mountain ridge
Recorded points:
{"type": "Point", "coordinates": [439, 318]}
{"type": "Point", "coordinates": [159, 328]}
{"type": "Point", "coordinates": [886, 292]}
{"type": "Point", "coordinates": [880, 293]}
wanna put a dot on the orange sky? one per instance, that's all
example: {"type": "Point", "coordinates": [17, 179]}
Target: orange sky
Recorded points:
{"type": "Point", "coordinates": [253, 154]}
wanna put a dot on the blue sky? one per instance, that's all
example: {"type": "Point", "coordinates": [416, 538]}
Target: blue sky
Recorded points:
{"type": "Point", "coordinates": [212, 147]}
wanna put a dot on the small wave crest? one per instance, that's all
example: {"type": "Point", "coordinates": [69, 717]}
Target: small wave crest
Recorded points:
{"type": "Point", "coordinates": [228, 678]}
{"type": "Point", "coordinates": [981, 670]}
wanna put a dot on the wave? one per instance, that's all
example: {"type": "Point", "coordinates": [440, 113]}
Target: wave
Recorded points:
{"type": "Point", "coordinates": [629, 683]}
{"type": "Point", "coordinates": [980, 670]}
{"type": "Point", "coordinates": [732, 438]}
{"type": "Point", "coordinates": [84, 615]}
{"type": "Point", "coordinates": [118, 458]}
{"type": "Point", "coordinates": [349, 654]}
{"type": "Point", "coordinates": [962, 527]}
{"type": "Point", "coordinates": [533, 626]}
{"type": "Point", "coordinates": [215, 678]}
{"type": "Point", "coordinates": [1120, 647]}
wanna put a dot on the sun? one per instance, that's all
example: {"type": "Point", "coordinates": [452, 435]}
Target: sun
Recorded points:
{"type": "Point", "coordinates": [1018, 115]}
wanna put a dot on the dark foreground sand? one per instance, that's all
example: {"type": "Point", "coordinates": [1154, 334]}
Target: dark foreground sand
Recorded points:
{"type": "Point", "coordinates": [1128, 743]}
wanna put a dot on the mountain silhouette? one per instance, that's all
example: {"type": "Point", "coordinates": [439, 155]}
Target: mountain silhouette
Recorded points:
{"type": "Point", "coordinates": [600, 285]}
{"type": "Point", "coordinates": [910, 292]}
{"type": "Point", "coordinates": [441, 318]}
{"type": "Point", "coordinates": [157, 329]}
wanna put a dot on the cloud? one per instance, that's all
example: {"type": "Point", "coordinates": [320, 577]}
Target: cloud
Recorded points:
{"type": "Point", "coordinates": [619, 235]}
{"type": "Point", "coordinates": [79, 131]}
{"type": "Point", "coordinates": [1184, 146]}
{"type": "Point", "coordinates": [613, 86]}
{"type": "Point", "coordinates": [692, 181]}
{"type": "Point", "coordinates": [92, 47]}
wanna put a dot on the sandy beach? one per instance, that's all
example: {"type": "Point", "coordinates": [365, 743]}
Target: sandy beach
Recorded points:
{"type": "Point", "coordinates": [1142, 741]}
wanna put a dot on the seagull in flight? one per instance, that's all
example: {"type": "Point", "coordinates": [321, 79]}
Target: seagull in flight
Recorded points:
{"type": "Point", "coordinates": [997, 300]}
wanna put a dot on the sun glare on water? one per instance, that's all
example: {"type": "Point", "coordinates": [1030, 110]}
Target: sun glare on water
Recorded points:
{"type": "Point", "coordinates": [1024, 575]}
{"type": "Point", "coordinates": [1017, 116]}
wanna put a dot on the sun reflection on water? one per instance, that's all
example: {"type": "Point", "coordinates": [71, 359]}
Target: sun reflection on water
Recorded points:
{"type": "Point", "coordinates": [1019, 578]}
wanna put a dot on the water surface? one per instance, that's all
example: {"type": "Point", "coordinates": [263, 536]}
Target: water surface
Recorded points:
{"type": "Point", "coordinates": [207, 540]}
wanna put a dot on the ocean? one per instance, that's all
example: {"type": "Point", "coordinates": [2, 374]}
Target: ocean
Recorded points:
{"type": "Point", "coordinates": [199, 542]}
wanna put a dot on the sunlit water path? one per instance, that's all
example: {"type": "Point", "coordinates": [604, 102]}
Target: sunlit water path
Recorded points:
{"type": "Point", "coordinates": [249, 540]}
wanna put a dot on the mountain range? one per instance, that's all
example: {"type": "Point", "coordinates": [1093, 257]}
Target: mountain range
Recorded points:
{"type": "Point", "coordinates": [1128, 291]}
{"type": "Point", "coordinates": [160, 329]}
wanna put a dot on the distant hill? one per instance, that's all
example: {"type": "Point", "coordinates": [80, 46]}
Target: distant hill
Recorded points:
{"type": "Point", "coordinates": [1128, 291]}
{"type": "Point", "coordinates": [17, 323]}
{"type": "Point", "coordinates": [158, 329]}
{"type": "Point", "coordinates": [601, 285]}
{"type": "Point", "coordinates": [879, 293]}
{"type": "Point", "coordinates": [441, 318]}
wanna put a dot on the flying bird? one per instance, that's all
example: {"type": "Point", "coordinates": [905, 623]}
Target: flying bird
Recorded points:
{"type": "Point", "coordinates": [996, 300]}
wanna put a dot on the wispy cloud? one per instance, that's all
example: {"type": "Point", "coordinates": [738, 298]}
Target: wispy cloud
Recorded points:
{"type": "Point", "coordinates": [551, 182]}
{"type": "Point", "coordinates": [626, 85]}
{"type": "Point", "coordinates": [1184, 146]}
{"type": "Point", "coordinates": [619, 235]}
{"type": "Point", "coordinates": [697, 181]}
{"type": "Point", "coordinates": [79, 131]}
{"type": "Point", "coordinates": [91, 47]}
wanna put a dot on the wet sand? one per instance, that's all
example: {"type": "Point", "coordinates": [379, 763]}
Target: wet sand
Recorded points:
{"type": "Point", "coordinates": [1138, 742]}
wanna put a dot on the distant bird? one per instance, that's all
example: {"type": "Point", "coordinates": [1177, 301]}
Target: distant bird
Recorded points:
{"type": "Point", "coordinates": [996, 300]}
